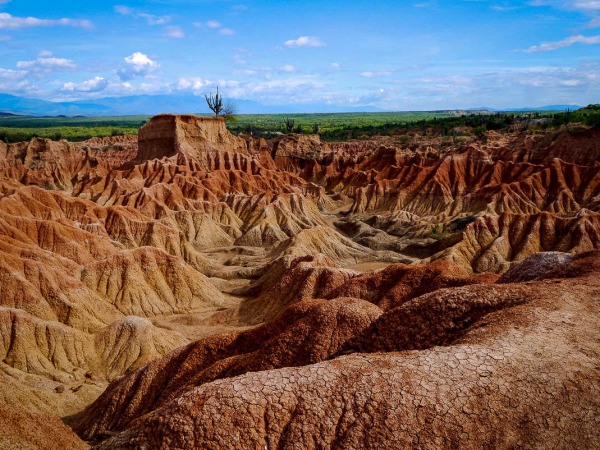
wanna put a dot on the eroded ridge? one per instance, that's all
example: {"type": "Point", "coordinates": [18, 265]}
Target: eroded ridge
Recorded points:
{"type": "Point", "coordinates": [269, 283]}
{"type": "Point", "coordinates": [447, 369]}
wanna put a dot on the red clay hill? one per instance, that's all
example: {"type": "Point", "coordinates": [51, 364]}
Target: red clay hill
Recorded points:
{"type": "Point", "coordinates": [189, 288]}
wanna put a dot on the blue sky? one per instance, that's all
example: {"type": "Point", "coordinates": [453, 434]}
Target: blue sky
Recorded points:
{"type": "Point", "coordinates": [396, 55]}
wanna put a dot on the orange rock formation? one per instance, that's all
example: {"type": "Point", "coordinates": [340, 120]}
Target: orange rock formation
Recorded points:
{"type": "Point", "coordinates": [216, 282]}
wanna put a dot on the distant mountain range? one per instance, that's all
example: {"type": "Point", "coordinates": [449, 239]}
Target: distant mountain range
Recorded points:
{"type": "Point", "coordinates": [177, 103]}
{"type": "Point", "coordinates": [539, 108]}
{"type": "Point", "coordinates": [153, 104]}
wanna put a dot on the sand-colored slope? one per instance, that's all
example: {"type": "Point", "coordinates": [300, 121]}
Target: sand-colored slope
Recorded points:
{"type": "Point", "coordinates": [492, 243]}
{"type": "Point", "coordinates": [25, 430]}
{"type": "Point", "coordinates": [308, 332]}
{"type": "Point", "coordinates": [117, 251]}
{"type": "Point", "coordinates": [460, 364]}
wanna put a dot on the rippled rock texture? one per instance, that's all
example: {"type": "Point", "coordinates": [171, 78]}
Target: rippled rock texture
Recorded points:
{"type": "Point", "coordinates": [189, 288]}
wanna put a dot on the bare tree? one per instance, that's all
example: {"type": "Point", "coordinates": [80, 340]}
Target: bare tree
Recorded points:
{"type": "Point", "coordinates": [230, 111]}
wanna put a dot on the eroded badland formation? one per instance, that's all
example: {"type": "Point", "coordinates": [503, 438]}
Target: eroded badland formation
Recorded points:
{"type": "Point", "coordinates": [195, 289]}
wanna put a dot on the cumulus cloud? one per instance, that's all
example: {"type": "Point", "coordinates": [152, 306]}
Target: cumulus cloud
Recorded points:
{"type": "Point", "coordinates": [10, 22]}
{"type": "Point", "coordinates": [304, 41]}
{"type": "Point", "coordinates": [213, 24]}
{"type": "Point", "coordinates": [174, 33]}
{"type": "Point", "coordinates": [335, 65]}
{"type": "Point", "coordinates": [22, 87]}
{"type": "Point", "coordinates": [46, 64]}
{"type": "Point", "coordinates": [138, 64]}
{"type": "Point", "coordinates": [94, 85]}
{"type": "Point", "coordinates": [17, 82]}
{"type": "Point", "coordinates": [198, 85]}
{"type": "Point", "coordinates": [192, 83]}
{"type": "Point", "coordinates": [567, 42]}
{"type": "Point", "coordinates": [140, 61]}
{"type": "Point", "coordinates": [9, 74]}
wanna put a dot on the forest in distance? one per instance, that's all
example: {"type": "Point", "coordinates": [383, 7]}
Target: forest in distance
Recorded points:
{"type": "Point", "coordinates": [330, 126]}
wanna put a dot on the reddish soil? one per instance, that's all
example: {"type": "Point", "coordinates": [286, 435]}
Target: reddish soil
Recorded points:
{"type": "Point", "coordinates": [193, 289]}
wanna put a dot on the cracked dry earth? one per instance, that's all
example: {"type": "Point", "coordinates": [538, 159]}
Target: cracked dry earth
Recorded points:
{"type": "Point", "coordinates": [188, 288]}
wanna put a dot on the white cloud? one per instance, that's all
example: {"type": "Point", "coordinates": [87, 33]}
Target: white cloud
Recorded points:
{"type": "Point", "coordinates": [21, 87]}
{"type": "Point", "coordinates": [425, 89]}
{"type": "Point", "coordinates": [138, 64]}
{"type": "Point", "coordinates": [215, 25]}
{"type": "Point", "coordinates": [46, 64]}
{"type": "Point", "coordinates": [376, 73]}
{"type": "Point", "coordinates": [288, 68]}
{"type": "Point", "coordinates": [587, 4]}
{"type": "Point", "coordinates": [151, 19]}
{"type": "Point", "coordinates": [570, 82]}
{"type": "Point", "coordinates": [290, 90]}
{"type": "Point", "coordinates": [238, 59]}
{"type": "Point", "coordinates": [123, 9]}
{"type": "Point", "coordinates": [335, 65]}
{"type": "Point", "coordinates": [174, 32]}
{"type": "Point", "coordinates": [567, 42]}
{"type": "Point", "coordinates": [226, 32]}
{"type": "Point", "coordinates": [9, 22]}
{"type": "Point", "coordinates": [192, 83]}
{"type": "Point", "coordinates": [446, 81]}
{"type": "Point", "coordinates": [581, 5]}
{"type": "Point", "coordinates": [304, 41]}
{"type": "Point", "coordinates": [9, 74]}
{"type": "Point", "coordinates": [94, 85]}
{"type": "Point", "coordinates": [2, 2]}
{"type": "Point", "coordinates": [45, 54]}
{"type": "Point", "coordinates": [283, 87]}
{"type": "Point", "coordinates": [504, 8]}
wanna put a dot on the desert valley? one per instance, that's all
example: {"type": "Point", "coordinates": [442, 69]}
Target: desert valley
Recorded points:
{"type": "Point", "coordinates": [191, 288]}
